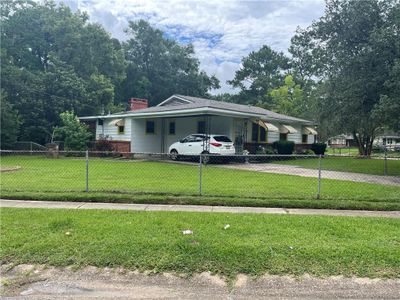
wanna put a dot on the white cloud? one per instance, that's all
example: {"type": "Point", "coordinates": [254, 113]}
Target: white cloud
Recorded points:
{"type": "Point", "coordinates": [222, 32]}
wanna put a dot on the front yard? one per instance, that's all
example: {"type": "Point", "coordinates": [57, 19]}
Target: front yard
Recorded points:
{"type": "Point", "coordinates": [162, 182]}
{"type": "Point", "coordinates": [253, 244]}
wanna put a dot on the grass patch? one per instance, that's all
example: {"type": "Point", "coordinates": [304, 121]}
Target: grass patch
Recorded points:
{"type": "Point", "coordinates": [38, 174]}
{"type": "Point", "coordinates": [153, 198]}
{"type": "Point", "coordinates": [342, 151]}
{"type": "Point", "coordinates": [349, 164]}
{"type": "Point", "coordinates": [254, 244]}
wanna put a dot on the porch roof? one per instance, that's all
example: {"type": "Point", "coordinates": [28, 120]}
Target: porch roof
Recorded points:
{"type": "Point", "coordinates": [199, 106]}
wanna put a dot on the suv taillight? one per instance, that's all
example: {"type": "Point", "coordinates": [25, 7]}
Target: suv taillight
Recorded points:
{"type": "Point", "coordinates": [216, 144]}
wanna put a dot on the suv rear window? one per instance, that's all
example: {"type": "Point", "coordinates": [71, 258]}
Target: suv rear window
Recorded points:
{"type": "Point", "coordinates": [222, 138]}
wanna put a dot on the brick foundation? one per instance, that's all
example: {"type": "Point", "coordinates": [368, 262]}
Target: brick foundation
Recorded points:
{"type": "Point", "coordinates": [121, 146]}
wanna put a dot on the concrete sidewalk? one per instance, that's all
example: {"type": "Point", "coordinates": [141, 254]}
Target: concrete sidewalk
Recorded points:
{"type": "Point", "coordinates": [195, 208]}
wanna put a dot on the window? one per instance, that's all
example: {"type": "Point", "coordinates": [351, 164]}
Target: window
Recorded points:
{"type": "Point", "coordinates": [100, 122]}
{"type": "Point", "coordinates": [121, 129]}
{"type": "Point", "coordinates": [283, 136]}
{"type": "Point", "coordinates": [263, 134]}
{"type": "Point", "coordinates": [254, 133]}
{"type": "Point", "coordinates": [258, 134]}
{"type": "Point", "coordinates": [201, 127]}
{"type": "Point", "coordinates": [192, 139]}
{"type": "Point", "coordinates": [150, 127]}
{"type": "Point", "coordinates": [304, 138]}
{"type": "Point", "coordinates": [222, 138]}
{"type": "Point", "coordinates": [171, 128]}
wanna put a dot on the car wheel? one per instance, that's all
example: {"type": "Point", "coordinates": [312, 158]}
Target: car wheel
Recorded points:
{"type": "Point", "coordinates": [174, 154]}
{"type": "Point", "coordinates": [205, 159]}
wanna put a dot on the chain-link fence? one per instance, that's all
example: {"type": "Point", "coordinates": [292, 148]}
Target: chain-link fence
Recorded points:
{"type": "Point", "coordinates": [240, 176]}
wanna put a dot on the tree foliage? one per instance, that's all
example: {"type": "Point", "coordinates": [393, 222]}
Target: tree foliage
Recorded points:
{"type": "Point", "coordinates": [61, 63]}
{"type": "Point", "coordinates": [289, 99]}
{"type": "Point", "coordinates": [9, 122]}
{"type": "Point", "coordinates": [261, 71]}
{"type": "Point", "coordinates": [73, 133]}
{"type": "Point", "coordinates": [54, 60]}
{"type": "Point", "coordinates": [354, 49]}
{"type": "Point", "coordinates": [159, 67]}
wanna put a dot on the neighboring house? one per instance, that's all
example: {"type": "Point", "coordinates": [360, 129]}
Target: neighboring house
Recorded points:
{"type": "Point", "coordinates": [342, 141]}
{"type": "Point", "coordinates": [389, 139]}
{"type": "Point", "coordinates": [154, 129]}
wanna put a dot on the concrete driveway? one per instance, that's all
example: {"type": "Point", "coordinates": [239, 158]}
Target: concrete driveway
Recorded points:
{"type": "Point", "coordinates": [299, 171]}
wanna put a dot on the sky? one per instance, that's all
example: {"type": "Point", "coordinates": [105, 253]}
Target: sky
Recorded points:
{"type": "Point", "coordinates": [222, 32]}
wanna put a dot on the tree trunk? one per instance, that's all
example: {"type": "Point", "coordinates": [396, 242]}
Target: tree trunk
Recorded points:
{"type": "Point", "coordinates": [364, 143]}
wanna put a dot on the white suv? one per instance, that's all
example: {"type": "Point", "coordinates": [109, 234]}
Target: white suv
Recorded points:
{"type": "Point", "coordinates": [196, 144]}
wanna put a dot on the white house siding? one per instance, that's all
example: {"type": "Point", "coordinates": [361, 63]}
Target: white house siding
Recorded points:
{"type": "Point", "coordinates": [183, 127]}
{"type": "Point", "coordinates": [143, 142]}
{"type": "Point", "coordinates": [295, 137]}
{"type": "Point", "coordinates": [272, 136]}
{"type": "Point", "coordinates": [222, 125]}
{"type": "Point", "coordinates": [111, 131]}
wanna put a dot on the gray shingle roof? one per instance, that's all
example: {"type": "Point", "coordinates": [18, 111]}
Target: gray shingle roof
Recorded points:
{"type": "Point", "coordinates": [241, 108]}
{"type": "Point", "coordinates": [195, 102]}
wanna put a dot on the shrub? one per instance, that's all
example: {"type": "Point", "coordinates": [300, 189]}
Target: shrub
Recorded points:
{"type": "Point", "coordinates": [283, 147]}
{"type": "Point", "coordinates": [103, 144]}
{"type": "Point", "coordinates": [318, 148]}
{"type": "Point", "coordinates": [265, 150]}
{"type": "Point", "coordinates": [74, 134]}
{"type": "Point", "coordinates": [305, 152]}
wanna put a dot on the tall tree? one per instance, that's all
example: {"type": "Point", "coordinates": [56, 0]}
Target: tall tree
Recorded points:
{"type": "Point", "coordinates": [159, 67]}
{"type": "Point", "coordinates": [9, 122]}
{"type": "Point", "coordinates": [353, 49]}
{"type": "Point", "coordinates": [261, 71]}
{"type": "Point", "coordinates": [62, 62]}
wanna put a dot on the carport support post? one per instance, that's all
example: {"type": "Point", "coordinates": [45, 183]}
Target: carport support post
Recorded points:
{"type": "Point", "coordinates": [200, 174]}
{"type": "Point", "coordinates": [87, 171]}
{"type": "Point", "coordinates": [319, 176]}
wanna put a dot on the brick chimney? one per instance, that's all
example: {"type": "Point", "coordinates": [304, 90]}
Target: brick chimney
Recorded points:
{"type": "Point", "coordinates": [137, 103]}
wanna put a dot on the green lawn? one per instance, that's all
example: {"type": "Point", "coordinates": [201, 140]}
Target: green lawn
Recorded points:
{"type": "Point", "coordinates": [254, 244]}
{"type": "Point", "coordinates": [353, 151]}
{"type": "Point", "coordinates": [133, 180]}
{"type": "Point", "coordinates": [344, 151]}
{"type": "Point", "coordinates": [349, 164]}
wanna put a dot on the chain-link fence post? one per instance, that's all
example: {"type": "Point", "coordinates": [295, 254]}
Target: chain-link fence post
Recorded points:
{"type": "Point", "coordinates": [200, 174]}
{"type": "Point", "coordinates": [87, 170]}
{"type": "Point", "coordinates": [319, 176]}
{"type": "Point", "coordinates": [385, 163]}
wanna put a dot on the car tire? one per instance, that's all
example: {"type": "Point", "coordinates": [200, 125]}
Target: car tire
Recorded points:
{"type": "Point", "coordinates": [174, 155]}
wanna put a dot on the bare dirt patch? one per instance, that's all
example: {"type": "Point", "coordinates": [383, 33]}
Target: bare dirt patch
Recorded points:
{"type": "Point", "coordinates": [10, 169]}
{"type": "Point", "coordinates": [40, 282]}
